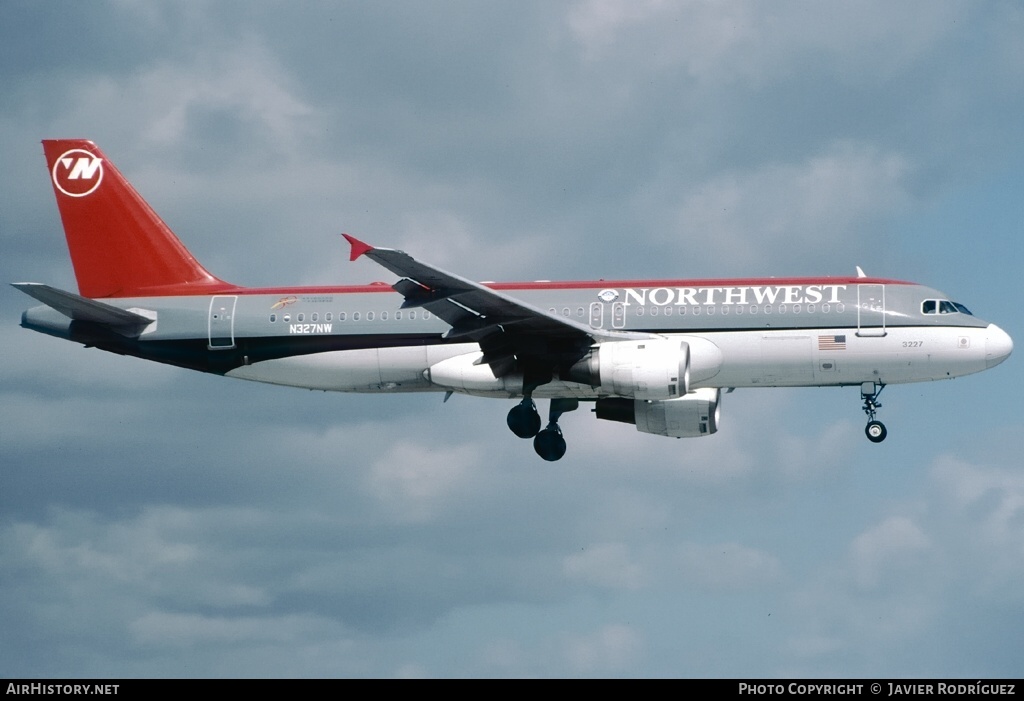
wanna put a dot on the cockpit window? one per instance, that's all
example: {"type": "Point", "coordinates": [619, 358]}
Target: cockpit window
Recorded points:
{"type": "Point", "coordinates": [943, 306]}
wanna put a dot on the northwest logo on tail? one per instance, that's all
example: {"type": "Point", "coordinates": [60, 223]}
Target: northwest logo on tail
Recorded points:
{"type": "Point", "coordinates": [77, 173]}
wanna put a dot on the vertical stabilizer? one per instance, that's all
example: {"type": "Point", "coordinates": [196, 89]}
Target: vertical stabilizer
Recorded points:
{"type": "Point", "coordinates": [119, 246]}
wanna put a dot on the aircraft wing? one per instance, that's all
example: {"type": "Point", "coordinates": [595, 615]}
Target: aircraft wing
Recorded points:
{"type": "Point", "coordinates": [507, 329]}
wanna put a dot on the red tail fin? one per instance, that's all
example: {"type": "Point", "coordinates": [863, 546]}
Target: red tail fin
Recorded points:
{"type": "Point", "coordinates": [119, 246]}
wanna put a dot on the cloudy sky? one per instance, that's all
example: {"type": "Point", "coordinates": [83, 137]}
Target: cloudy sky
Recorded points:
{"type": "Point", "coordinates": [156, 522]}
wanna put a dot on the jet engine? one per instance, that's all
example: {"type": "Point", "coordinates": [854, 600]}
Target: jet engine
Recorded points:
{"type": "Point", "coordinates": [691, 416]}
{"type": "Point", "coordinates": [657, 368]}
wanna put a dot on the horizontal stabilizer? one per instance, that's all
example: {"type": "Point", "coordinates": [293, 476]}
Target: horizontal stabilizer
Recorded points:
{"type": "Point", "coordinates": [82, 308]}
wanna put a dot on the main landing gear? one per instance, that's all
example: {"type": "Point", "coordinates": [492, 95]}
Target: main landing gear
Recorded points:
{"type": "Point", "coordinates": [875, 430]}
{"type": "Point", "coordinates": [524, 421]}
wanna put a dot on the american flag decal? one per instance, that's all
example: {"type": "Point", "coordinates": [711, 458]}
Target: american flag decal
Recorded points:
{"type": "Point", "coordinates": [831, 342]}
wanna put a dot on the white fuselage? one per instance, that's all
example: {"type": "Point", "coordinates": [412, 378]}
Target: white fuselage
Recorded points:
{"type": "Point", "coordinates": [362, 340]}
{"type": "Point", "coordinates": [765, 358]}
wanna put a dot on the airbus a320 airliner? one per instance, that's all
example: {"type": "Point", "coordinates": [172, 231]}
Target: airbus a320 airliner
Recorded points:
{"type": "Point", "coordinates": [657, 354]}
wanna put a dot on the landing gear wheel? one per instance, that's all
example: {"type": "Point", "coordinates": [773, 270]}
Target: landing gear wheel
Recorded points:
{"type": "Point", "coordinates": [875, 431]}
{"type": "Point", "coordinates": [523, 419]}
{"type": "Point", "coordinates": [869, 392]}
{"type": "Point", "coordinates": [549, 443]}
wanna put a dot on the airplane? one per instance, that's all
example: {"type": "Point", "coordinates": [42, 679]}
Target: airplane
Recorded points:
{"type": "Point", "coordinates": [658, 354]}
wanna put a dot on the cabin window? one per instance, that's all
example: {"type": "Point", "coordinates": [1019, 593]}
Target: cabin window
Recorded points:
{"type": "Point", "coordinates": [398, 315]}
{"type": "Point", "coordinates": [654, 311]}
{"type": "Point", "coordinates": [668, 311]}
{"type": "Point", "coordinates": [426, 314]}
{"type": "Point", "coordinates": [341, 316]}
{"type": "Point", "coordinates": [826, 308]}
{"type": "Point", "coordinates": [725, 310]}
{"type": "Point", "coordinates": [565, 311]}
{"type": "Point", "coordinates": [412, 314]}
{"type": "Point", "coordinates": [355, 316]}
{"type": "Point", "coordinates": [369, 316]}
{"type": "Point", "coordinates": [300, 317]}
{"type": "Point", "coordinates": [314, 317]}
{"type": "Point", "coordinates": [383, 316]}
{"type": "Point", "coordinates": [286, 318]}
{"type": "Point", "coordinates": [328, 316]}
{"type": "Point", "coordinates": [810, 308]}
{"type": "Point", "coordinates": [579, 312]}
{"type": "Point", "coordinates": [639, 311]}
{"type": "Point", "coordinates": [273, 318]}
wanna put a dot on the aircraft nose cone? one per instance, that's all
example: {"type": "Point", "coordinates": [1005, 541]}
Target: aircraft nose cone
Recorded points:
{"type": "Point", "coordinates": [998, 346]}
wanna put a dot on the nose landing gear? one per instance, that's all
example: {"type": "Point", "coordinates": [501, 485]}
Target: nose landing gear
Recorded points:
{"type": "Point", "coordinates": [875, 430]}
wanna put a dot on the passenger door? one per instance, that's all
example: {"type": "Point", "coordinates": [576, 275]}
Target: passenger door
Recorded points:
{"type": "Point", "coordinates": [871, 310]}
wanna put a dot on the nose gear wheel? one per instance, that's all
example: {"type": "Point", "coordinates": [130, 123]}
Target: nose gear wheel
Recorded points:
{"type": "Point", "coordinates": [875, 430]}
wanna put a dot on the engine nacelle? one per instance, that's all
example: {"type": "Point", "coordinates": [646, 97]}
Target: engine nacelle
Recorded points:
{"type": "Point", "coordinates": [657, 368]}
{"type": "Point", "coordinates": [466, 373]}
{"type": "Point", "coordinates": [691, 416]}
